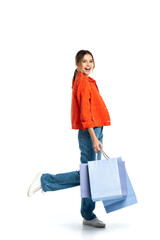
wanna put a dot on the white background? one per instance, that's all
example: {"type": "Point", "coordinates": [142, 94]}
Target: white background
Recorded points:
{"type": "Point", "coordinates": [38, 44]}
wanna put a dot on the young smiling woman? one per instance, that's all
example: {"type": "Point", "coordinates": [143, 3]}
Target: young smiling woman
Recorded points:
{"type": "Point", "coordinates": [88, 115]}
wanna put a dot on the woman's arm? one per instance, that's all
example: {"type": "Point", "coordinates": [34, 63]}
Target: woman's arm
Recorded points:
{"type": "Point", "coordinates": [96, 142]}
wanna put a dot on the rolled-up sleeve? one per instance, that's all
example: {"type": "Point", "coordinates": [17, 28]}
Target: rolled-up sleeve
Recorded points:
{"type": "Point", "coordinates": [83, 97]}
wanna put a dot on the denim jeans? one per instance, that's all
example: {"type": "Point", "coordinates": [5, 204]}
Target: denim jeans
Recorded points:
{"type": "Point", "coordinates": [51, 182]}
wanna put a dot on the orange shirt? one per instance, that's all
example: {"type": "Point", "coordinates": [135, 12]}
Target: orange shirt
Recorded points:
{"type": "Point", "coordinates": [88, 109]}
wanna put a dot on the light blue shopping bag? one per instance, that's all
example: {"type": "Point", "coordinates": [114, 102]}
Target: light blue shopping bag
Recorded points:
{"type": "Point", "coordinates": [84, 181]}
{"type": "Point", "coordinates": [105, 180]}
{"type": "Point", "coordinates": [124, 201]}
{"type": "Point", "coordinates": [85, 184]}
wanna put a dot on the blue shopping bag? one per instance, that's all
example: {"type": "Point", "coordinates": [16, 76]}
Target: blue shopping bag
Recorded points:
{"type": "Point", "coordinates": [122, 174]}
{"type": "Point", "coordinates": [84, 181]}
{"type": "Point", "coordinates": [105, 180]}
{"type": "Point", "coordinates": [124, 201]}
{"type": "Point", "coordinates": [85, 184]}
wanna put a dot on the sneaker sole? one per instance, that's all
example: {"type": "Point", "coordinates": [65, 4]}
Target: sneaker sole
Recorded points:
{"type": "Point", "coordinates": [28, 193]}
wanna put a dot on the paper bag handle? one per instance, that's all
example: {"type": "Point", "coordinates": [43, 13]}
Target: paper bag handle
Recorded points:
{"type": "Point", "coordinates": [104, 154]}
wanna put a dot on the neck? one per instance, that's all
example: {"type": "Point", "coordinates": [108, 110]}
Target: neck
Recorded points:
{"type": "Point", "coordinates": [83, 74]}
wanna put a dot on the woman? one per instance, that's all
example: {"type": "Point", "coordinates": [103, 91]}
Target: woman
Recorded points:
{"type": "Point", "coordinates": [88, 114]}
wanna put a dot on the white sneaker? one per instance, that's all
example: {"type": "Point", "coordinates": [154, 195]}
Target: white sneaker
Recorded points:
{"type": "Point", "coordinates": [94, 222]}
{"type": "Point", "coordinates": [35, 186]}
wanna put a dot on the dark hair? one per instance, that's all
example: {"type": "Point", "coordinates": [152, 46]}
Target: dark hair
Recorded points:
{"type": "Point", "coordinates": [78, 58]}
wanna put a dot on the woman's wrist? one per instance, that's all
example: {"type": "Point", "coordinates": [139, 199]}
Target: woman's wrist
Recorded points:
{"type": "Point", "coordinates": [94, 139]}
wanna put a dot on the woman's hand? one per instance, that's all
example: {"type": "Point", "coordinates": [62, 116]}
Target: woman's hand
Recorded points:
{"type": "Point", "coordinates": [97, 145]}
{"type": "Point", "coordinates": [96, 142]}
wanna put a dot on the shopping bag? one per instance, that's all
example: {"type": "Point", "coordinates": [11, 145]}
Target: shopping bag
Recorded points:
{"type": "Point", "coordinates": [124, 201]}
{"type": "Point", "coordinates": [104, 178]}
{"type": "Point", "coordinates": [85, 184]}
{"type": "Point", "coordinates": [84, 181]}
{"type": "Point", "coordinates": [122, 175]}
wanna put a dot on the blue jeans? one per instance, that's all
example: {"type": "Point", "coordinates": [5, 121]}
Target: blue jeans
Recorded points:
{"type": "Point", "coordinates": [61, 181]}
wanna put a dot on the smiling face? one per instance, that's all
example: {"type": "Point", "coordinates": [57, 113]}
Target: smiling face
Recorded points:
{"type": "Point", "coordinates": [87, 65]}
